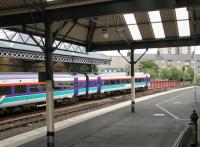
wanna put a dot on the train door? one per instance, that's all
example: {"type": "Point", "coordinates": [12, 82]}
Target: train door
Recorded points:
{"type": "Point", "coordinates": [98, 84]}
{"type": "Point", "coordinates": [75, 86]}
{"type": "Point", "coordinates": [146, 81]}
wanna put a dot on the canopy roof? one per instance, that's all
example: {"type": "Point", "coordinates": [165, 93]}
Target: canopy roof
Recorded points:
{"type": "Point", "coordinates": [147, 23]}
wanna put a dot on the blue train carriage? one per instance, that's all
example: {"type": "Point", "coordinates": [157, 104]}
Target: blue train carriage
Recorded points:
{"type": "Point", "coordinates": [75, 85]}
{"type": "Point", "coordinates": [23, 89]}
{"type": "Point", "coordinates": [121, 81]}
{"type": "Point", "coordinates": [17, 89]}
{"type": "Point", "coordinates": [114, 82]}
{"type": "Point", "coordinates": [93, 84]}
{"type": "Point", "coordinates": [142, 80]}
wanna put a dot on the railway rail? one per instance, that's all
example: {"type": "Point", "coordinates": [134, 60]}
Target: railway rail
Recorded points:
{"type": "Point", "coordinates": [13, 126]}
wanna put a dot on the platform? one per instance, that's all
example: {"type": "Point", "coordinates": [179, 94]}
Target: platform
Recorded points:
{"type": "Point", "coordinates": [157, 122]}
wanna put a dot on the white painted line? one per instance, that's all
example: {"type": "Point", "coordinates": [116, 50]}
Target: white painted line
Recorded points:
{"type": "Point", "coordinates": [176, 117]}
{"type": "Point", "coordinates": [34, 134]}
{"type": "Point", "coordinates": [165, 110]}
{"type": "Point", "coordinates": [178, 102]}
{"type": "Point", "coordinates": [157, 114]}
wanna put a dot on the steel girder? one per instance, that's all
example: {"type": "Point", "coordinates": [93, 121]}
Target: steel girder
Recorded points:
{"type": "Point", "coordinates": [39, 56]}
{"type": "Point", "coordinates": [103, 8]}
{"type": "Point", "coordinates": [174, 42]}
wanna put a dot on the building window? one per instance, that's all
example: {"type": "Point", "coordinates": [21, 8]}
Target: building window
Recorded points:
{"type": "Point", "coordinates": [189, 50]}
{"type": "Point", "coordinates": [169, 51]}
{"type": "Point", "coordinates": [177, 51]}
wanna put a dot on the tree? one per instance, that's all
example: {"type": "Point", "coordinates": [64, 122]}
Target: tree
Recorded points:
{"type": "Point", "coordinates": [149, 67]}
{"type": "Point", "coordinates": [164, 74]}
{"type": "Point", "coordinates": [188, 74]}
{"type": "Point", "coordinates": [175, 74]}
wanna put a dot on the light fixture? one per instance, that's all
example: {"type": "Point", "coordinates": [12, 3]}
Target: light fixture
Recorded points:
{"type": "Point", "coordinates": [105, 33]}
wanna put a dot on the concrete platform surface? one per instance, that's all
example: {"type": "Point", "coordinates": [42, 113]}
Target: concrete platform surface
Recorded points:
{"type": "Point", "coordinates": [157, 122]}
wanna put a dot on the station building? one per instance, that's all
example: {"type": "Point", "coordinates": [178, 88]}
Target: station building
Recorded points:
{"type": "Point", "coordinates": [180, 57]}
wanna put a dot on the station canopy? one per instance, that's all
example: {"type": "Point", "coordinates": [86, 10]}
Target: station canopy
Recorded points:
{"type": "Point", "coordinates": [100, 25]}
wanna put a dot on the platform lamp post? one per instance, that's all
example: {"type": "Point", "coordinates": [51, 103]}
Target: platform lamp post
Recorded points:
{"type": "Point", "coordinates": [132, 81]}
{"type": "Point", "coordinates": [195, 87]}
{"type": "Point", "coordinates": [48, 49]}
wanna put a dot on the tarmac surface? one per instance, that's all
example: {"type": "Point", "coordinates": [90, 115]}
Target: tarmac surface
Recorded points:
{"type": "Point", "coordinates": [157, 122]}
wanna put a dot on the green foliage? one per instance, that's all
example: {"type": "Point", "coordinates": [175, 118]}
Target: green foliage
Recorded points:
{"type": "Point", "coordinates": [149, 67]}
{"type": "Point", "coordinates": [175, 74]}
{"type": "Point", "coordinates": [188, 74]}
{"type": "Point", "coordinates": [164, 74]}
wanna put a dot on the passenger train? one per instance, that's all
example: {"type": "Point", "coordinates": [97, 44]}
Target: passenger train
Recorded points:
{"type": "Point", "coordinates": [22, 89]}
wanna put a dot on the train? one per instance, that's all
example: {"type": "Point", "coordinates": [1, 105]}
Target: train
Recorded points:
{"type": "Point", "coordinates": [23, 89]}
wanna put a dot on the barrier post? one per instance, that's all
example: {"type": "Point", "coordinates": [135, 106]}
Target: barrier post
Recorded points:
{"type": "Point", "coordinates": [194, 118]}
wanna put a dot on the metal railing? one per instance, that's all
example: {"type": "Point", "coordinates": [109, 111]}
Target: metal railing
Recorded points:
{"type": "Point", "coordinates": [188, 137]}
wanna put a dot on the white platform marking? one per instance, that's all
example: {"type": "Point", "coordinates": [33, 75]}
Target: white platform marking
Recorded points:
{"type": "Point", "coordinates": [165, 110]}
{"type": "Point", "coordinates": [37, 133]}
{"type": "Point", "coordinates": [178, 102]}
{"type": "Point", "coordinates": [157, 114]}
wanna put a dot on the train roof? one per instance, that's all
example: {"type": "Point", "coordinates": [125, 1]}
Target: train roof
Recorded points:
{"type": "Point", "coordinates": [117, 74]}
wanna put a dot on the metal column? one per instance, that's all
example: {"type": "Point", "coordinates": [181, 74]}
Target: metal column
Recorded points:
{"type": "Point", "coordinates": [132, 82]}
{"type": "Point", "coordinates": [49, 82]}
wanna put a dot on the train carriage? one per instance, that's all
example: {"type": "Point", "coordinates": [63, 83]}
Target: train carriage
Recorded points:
{"type": "Point", "coordinates": [21, 89]}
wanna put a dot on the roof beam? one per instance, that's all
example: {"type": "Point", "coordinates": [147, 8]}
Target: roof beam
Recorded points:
{"type": "Point", "coordinates": [174, 42]}
{"type": "Point", "coordinates": [104, 8]}
{"type": "Point", "coordinates": [60, 28]}
{"type": "Point", "coordinates": [91, 28]}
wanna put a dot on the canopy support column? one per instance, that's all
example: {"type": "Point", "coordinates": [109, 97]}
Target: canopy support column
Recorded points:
{"type": "Point", "coordinates": [132, 81]}
{"type": "Point", "coordinates": [49, 84]}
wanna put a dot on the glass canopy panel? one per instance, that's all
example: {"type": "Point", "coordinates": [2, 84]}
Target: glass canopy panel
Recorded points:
{"type": "Point", "coordinates": [130, 19]}
{"type": "Point", "coordinates": [158, 30]}
{"type": "Point", "coordinates": [154, 16]}
{"type": "Point", "coordinates": [182, 17]}
{"type": "Point", "coordinates": [183, 28]}
{"type": "Point", "coordinates": [181, 13]}
{"type": "Point", "coordinates": [135, 32]}
{"type": "Point", "coordinates": [156, 24]}
{"type": "Point", "coordinates": [133, 27]}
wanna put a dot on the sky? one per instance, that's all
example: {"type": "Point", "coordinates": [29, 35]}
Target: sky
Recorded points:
{"type": "Point", "coordinates": [124, 52]}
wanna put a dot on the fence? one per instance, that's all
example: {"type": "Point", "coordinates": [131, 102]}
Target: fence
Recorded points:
{"type": "Point", "coordinates": [164, 84]}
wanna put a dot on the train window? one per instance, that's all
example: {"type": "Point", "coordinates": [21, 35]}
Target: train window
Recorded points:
{"type": "Point", "coordinates": [57, 88]}
{"type": "Point", "coordinates": [128, 81]}
{"type": "Point", "coordinates": [112, 82]}
{"type": "Point", "coordinates": [42, 87]}
{"type": "Point", "coordinates": [20, 89]}
{"type": "Point", "coordinates": [69, 84]}
{"type": "Point", "coordinates": [117, 81]}
{"type": "Point", "coordinates": [106, 82]}
{"type": "Point", "coordinates": [123, 81]}
{"type": "Point", "coordinates": [5, 90]}
{"type": "Point", "coordinates": [34, 88]}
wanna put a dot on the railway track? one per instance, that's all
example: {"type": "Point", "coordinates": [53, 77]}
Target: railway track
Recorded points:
{"type": "Point", "coordinates": [22, 123]}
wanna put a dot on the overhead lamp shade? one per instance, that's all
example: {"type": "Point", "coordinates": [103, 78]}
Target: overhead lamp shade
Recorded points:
{"type": "Point", "coordinates": [105, 33]}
